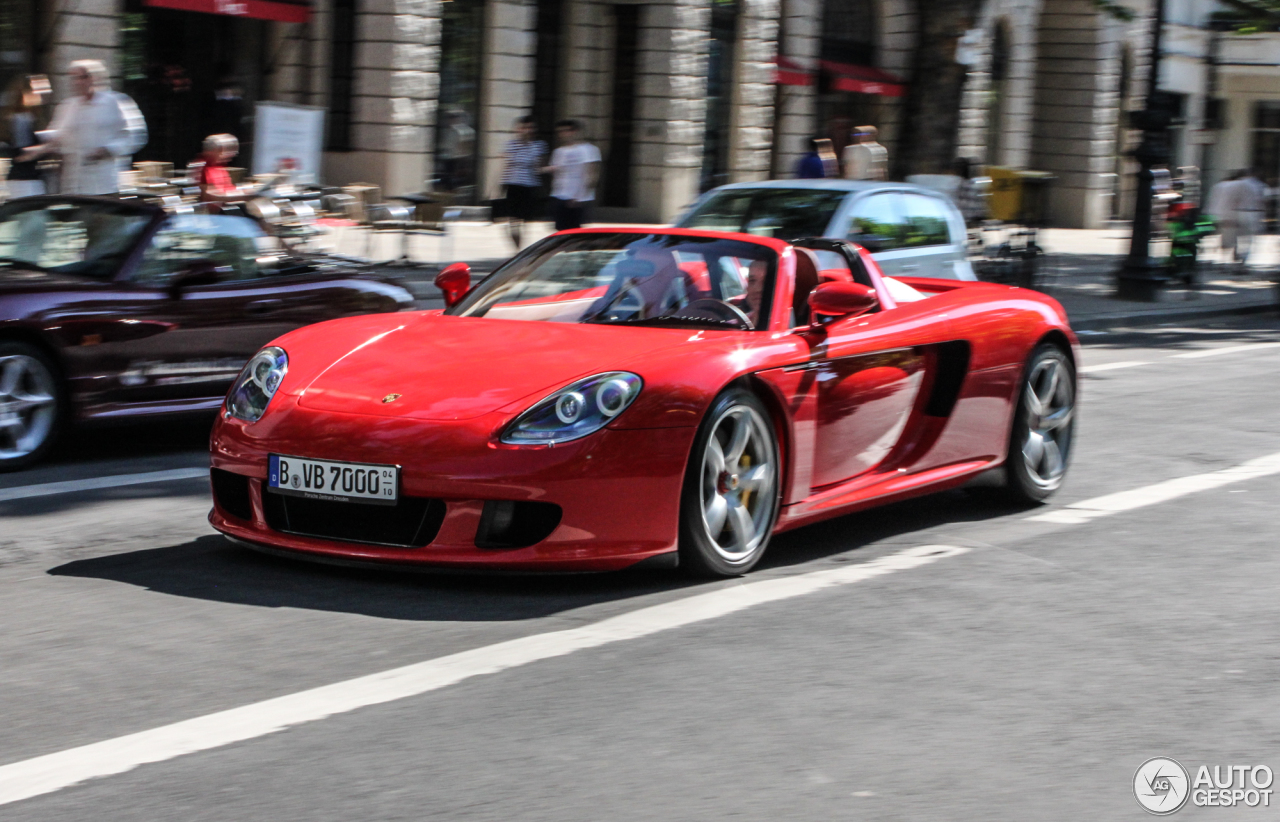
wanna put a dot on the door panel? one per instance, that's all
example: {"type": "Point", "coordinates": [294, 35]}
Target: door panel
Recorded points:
{"type": "Point", "coordinates": [864, 402]}
{"type": "Point", "coordinates": [868, 378]}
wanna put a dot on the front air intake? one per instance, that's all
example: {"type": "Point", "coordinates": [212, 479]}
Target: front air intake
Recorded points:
{"type": "Point", "coordinates": [412, 522]}
{"type": "Point", "coordinates": [511, 524]}
{"type": "Point", "coordinates": [231, 492]}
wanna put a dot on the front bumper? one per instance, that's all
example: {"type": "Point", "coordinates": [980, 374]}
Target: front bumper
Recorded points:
{"type": "Point", "coordinates": [618, 490]}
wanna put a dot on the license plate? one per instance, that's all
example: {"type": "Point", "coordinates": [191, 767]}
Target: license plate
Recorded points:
{"type": "Point", "coordinates": [334, 481]}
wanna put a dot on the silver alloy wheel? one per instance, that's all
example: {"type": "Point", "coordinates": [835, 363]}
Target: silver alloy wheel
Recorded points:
{"type": "Point", "coordinates": [739, 484]}
{"type": "Point", "coordinates": [28, 405]}
{"type": "Point", "coordinates": [1049, 396]}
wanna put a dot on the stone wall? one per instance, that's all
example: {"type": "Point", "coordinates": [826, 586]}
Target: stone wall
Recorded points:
{"type": "Point", "coordinates": [79, 30]}
{"type": "Point", "coordinates": [898, 33]}
{"type": "Point", "coordinates": [752, 114]}
{"type": "Point", "coordinates": [670, 108]}
{"type": "Point", "coordinates": [396, 86]}
{"type": "Point", "coordinates": [510, 43]}
{"type": "Point", "coordinates": [800, 42]}
{"type": "Point", "coordinates": [1077, 118]}
{"type": "Point", "coordinates": [587, 85]}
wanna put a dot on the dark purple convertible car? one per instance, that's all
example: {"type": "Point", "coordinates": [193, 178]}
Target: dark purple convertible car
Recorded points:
{"type": "Point", "coordinates": [114, 308]}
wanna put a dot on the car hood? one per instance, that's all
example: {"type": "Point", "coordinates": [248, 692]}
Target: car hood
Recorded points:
{"type": "Point", "coordinates": [457, 368]}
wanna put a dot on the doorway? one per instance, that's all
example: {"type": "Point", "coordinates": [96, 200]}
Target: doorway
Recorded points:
{"type": "Point", "coordinates": [192, 75]}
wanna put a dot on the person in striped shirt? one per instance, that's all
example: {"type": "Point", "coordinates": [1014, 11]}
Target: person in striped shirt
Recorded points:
{"type": "Point", "coordinates": [524, 157]}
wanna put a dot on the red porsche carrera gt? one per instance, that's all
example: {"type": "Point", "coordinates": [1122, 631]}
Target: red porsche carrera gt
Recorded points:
{"type": "Point", "coordinates": [617, 396]}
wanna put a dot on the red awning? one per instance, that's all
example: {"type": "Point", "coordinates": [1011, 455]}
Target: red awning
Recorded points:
{"type": "Point", "coordinates": [863, 79]}
{"type": "Point", "coordinates": [790, 73]}
{"type": "Point", "coordinates": [284, 11]}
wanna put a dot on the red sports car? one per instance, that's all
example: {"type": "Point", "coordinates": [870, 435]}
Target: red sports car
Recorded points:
{"type": "Point", "coordinates": [612, 397]}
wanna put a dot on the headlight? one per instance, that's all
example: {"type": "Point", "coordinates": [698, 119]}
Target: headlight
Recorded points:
{"type": "Point", "coordinates": [257, 384]}
{"type": "Point", "coordinates": [575, 411]}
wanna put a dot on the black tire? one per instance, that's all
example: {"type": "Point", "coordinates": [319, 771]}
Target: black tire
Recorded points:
{"type": "Point", "coordinates": [1032, 471]}
{"type": "Point", "coordinates": [752, 483]}
{"type": "Point", "coordinates": [41, 423]}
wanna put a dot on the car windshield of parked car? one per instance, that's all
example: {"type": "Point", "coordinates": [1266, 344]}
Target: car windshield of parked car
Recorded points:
{"type": "Point", "coordinates": [87, 239]}
{"type": "Point", "coordinates": [634, 279]}
{"type": "Point", "coordinates": [784, 213]}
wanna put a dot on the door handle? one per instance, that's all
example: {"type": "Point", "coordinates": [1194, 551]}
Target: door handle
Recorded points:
{"type": "Point", "coordinates": [911, 267]}
{"type": "Point", "coordinates": [259, 307]}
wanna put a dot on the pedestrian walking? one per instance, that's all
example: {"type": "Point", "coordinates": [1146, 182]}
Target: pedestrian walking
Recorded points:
{"type": "Point", "coordinates": [1236, 205]}
{"type": "Point", "coordinates": [865, 158]}
{"type": "Point", "coordinates": [96, 131]}
{"type": "Point", "coordinates": [23, 117]}
{"type": "Point", "coordinates": [1255, 202]}
{"type": "Point", "coordinates": [575, 169]}
{"type": "Point", "coordinates": [811, 166]}
{"type": "Point", "coordinates": [524, 158]}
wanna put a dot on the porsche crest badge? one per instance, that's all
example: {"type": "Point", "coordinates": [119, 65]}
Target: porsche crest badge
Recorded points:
{"type": "Point", "coordinates": [391, 398]}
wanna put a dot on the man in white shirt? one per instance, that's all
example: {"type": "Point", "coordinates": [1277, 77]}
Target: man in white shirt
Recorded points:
{"type": "Point", "coordinates": [575, 169]}
{"type": "Point", "coordinates": [865, 158]}
{"type": "Point", "coordinates": [1236, 205]}
{"type": "Point", "coordinates": [96, 131]}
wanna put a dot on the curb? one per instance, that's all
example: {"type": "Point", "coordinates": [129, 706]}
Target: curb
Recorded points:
{"type": "Point", "coordinates": [1123, 319]}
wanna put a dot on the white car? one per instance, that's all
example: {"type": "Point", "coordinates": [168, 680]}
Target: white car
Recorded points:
{"type": "Point", "coordinates": [912, 231]}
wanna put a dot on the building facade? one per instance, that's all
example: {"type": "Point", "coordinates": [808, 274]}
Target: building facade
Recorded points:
{"type": "Point", "coordinates": [680, 95]}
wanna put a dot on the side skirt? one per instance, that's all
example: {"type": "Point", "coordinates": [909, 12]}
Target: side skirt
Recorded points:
{"type": "Point", "coordinates": [879, 489]}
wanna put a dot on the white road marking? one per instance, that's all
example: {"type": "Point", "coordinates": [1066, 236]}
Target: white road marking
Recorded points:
{"type": "Point", "coordinates": [1228, 349]}
{"type": "Point", "coordinates": [46, 489]}
{"type": "Point", "coordinates": [45, 774]}
{"type": "Point", "coordinates": [1077, 513]}
{"type": "Point", "coordinates": [1112, 366]}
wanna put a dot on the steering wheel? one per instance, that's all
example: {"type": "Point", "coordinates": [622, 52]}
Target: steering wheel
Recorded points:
{"type": "Point", "coordinates": [709, 308]}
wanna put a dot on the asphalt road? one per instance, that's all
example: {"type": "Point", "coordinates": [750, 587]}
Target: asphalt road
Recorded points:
{"type": "Point", "coordinates": [1023, 673]}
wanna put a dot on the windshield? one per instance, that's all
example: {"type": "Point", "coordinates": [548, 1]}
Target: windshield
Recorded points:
{"type": "Point", "coordinates": [631, 279]}
{"type": "Point", "coordinates": [88, 239]}
{"type": "Point", "coordinates": [784, 213]}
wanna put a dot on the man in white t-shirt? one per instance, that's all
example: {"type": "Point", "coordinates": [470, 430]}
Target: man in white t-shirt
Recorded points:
{"type": "Point", "coordinates": [575, 169]}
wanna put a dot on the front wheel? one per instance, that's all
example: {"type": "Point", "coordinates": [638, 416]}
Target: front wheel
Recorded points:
{"type": "Point", "coordinates": [30, 405]}
{"type": "Point", "coordinates": [731, 490]}
{"type": "Point", "coordinates": [1043, 425]}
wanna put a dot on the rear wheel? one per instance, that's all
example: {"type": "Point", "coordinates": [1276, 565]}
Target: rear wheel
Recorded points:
{"type": "Point", "coordinates": [30, 405]}
{"type": "Point", "coordinates": [1043, 425]}
{"type": "Point", "coordinates": [730, 500]}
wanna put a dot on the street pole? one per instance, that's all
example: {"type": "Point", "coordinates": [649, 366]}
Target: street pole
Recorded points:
{"type": "Point", "coordinates": [1141, 277]}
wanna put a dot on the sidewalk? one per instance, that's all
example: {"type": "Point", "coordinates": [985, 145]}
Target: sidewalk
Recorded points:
{"type": "Point", "coordinates": [1079, 271]}
{"type": "Point", "coordinates": [1080, 267]}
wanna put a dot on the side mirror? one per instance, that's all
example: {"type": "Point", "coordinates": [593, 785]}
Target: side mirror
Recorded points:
{"type": "Point", "coordinates": [455, 281]}
{"type": "Point", "coordinates": [200, 272]}
{"type": "Point", "coordinates": [835, 300]}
